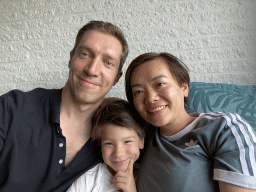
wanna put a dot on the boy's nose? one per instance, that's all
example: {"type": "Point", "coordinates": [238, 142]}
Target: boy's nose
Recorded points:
{"type": "Point", "coordinates": [118, 151]}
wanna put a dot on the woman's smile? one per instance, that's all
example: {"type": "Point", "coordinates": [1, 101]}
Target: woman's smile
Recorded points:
{"type": "Point", "coordinates": [157, 109]}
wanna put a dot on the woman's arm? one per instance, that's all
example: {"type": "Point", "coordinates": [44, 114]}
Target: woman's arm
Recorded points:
{"type": "Point", "coordinates": [226, 187]}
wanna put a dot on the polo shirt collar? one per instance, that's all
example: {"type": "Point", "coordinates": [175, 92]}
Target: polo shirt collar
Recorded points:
{"type": "Point", "coordinates": [55, 101]}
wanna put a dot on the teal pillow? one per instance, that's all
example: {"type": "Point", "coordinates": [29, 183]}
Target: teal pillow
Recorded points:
{"type": "Point", "coordinates": [223, 97]}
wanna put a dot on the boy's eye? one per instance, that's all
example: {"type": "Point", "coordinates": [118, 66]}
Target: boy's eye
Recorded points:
{"type": "Point", "coordinates": [128, 141]}
{"type": "Point", "coordinates": [108, 143]}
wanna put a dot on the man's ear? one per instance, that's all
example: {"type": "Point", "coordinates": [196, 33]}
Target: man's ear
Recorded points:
{"type": "Point", "coordinates": [71, 55]}
{"type": "Point", "coordinates": [119, 75]}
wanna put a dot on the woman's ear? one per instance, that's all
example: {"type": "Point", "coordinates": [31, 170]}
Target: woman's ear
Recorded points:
{"type": "Point", "coordinates": [185, 88]}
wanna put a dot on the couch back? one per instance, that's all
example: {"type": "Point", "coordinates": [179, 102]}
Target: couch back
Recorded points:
{"type": "Point", "coordinates": [222, 97]}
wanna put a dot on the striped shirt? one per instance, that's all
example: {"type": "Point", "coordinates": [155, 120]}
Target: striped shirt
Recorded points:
{"type": "Point", "coordinates": [214, 147]}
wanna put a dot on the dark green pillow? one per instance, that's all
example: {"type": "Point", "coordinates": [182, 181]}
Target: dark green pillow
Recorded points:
{"type": "Point", "coordinates": [223, 97]}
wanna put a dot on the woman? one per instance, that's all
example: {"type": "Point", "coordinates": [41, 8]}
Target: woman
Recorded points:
{"type": "Point", "coordinates": [198, 152]}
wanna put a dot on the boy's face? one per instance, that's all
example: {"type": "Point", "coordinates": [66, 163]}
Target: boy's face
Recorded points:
{"type": "Point", "coordinates": [118, 145]}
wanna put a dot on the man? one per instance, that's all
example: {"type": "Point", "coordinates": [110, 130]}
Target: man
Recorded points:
{"type": "Point", "coordinates": [45, 134]}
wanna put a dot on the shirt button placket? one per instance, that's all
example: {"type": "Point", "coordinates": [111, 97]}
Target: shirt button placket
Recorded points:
{"type": "Point", "coordinates": [62, 149]}
{"type": "Point", "coordinates": [60, 161]}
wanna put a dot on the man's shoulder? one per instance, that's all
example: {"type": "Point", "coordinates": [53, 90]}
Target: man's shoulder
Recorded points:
{"type": "Point", "coordinates": [34, 92]}
{"type": "Point", "coordinates": [17, 92]}
{"type": "Point", "coordinates": [18, 97]}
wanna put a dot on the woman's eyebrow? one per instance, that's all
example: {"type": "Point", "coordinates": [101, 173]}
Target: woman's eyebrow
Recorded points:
{"type": "Point", "coordinates": [158, 77]}
{"type": "Point", "coordinates": [136, 85]}
{"type": "Point", "coordinates": [153, 79]}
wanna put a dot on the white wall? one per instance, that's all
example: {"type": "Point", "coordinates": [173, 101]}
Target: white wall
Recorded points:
{"type": "Point", "coordinates": [215, 38]}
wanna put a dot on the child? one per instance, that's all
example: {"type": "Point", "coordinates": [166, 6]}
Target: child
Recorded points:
{"type": "Point", "coordinates": [120, 136]}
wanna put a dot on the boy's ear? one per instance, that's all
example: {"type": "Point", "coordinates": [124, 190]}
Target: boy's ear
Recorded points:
{"type": "Point", "coordinates": [141, 143]}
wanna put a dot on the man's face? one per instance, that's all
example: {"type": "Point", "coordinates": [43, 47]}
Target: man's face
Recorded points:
{"type": "Point", "coordinates": [94, 67]}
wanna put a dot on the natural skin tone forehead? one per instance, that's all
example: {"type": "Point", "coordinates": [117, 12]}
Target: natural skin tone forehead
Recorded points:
{"type": "Point", "coordinates": [107, 137]}
{"type": "Point", "coordinates": [108, 133]}
{"type": "Point", "coordinates": [157, 69]}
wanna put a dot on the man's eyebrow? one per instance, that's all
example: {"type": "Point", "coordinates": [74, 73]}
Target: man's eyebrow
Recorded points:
{"type": "Point", "coordinates": [153, 79]}
{"type": "Point", "coordinates": [107, 55]}
{"type": "Point", "coordinates": [83, 47]}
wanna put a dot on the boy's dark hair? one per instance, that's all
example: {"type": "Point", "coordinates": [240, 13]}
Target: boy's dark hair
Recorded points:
{"type": "Point", "coordinates": [118, 112]}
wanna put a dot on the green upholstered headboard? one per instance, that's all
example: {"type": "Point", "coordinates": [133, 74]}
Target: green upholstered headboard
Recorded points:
{"type": "Point", "coordinates": [223, 97]}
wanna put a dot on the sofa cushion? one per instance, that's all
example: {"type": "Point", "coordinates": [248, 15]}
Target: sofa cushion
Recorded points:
{"type": "Point", "coordinates": [223, 97]}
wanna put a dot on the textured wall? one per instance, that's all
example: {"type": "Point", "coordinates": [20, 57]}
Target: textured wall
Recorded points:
{"type": "Point", "coordinates": [215, 38]}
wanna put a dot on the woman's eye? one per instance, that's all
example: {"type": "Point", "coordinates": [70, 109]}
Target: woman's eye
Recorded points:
{"type": "Point", "coordinates": [108, 143]}
{"type": "Point", "coordinates": [160, 84]}
{"type": "Point", "coordinates": [137, 92]}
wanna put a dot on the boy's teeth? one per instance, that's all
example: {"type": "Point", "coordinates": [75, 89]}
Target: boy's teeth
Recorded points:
{"type": "Point", "coordinates": [157, 109]}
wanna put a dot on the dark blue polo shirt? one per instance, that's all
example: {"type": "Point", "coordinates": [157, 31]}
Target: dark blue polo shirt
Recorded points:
{"type": "Point", "coordinates": [32, 147]}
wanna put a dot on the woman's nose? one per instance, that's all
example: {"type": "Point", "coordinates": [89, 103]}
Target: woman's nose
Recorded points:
{"type": "Point", "coordinates": [151, 97]}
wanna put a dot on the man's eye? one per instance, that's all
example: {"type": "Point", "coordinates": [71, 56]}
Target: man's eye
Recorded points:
{"type": "Point", "coordinates": [85, 54]}
{"type": "Point", "coordinates": [109, 63]}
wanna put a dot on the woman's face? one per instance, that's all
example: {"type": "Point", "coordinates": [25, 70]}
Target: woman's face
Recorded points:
{"type": "Point", "coordinates": [156, 94]}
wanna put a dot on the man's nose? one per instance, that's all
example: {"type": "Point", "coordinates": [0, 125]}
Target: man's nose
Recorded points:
{"type": "Point", "coordinates": [92, 68]}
